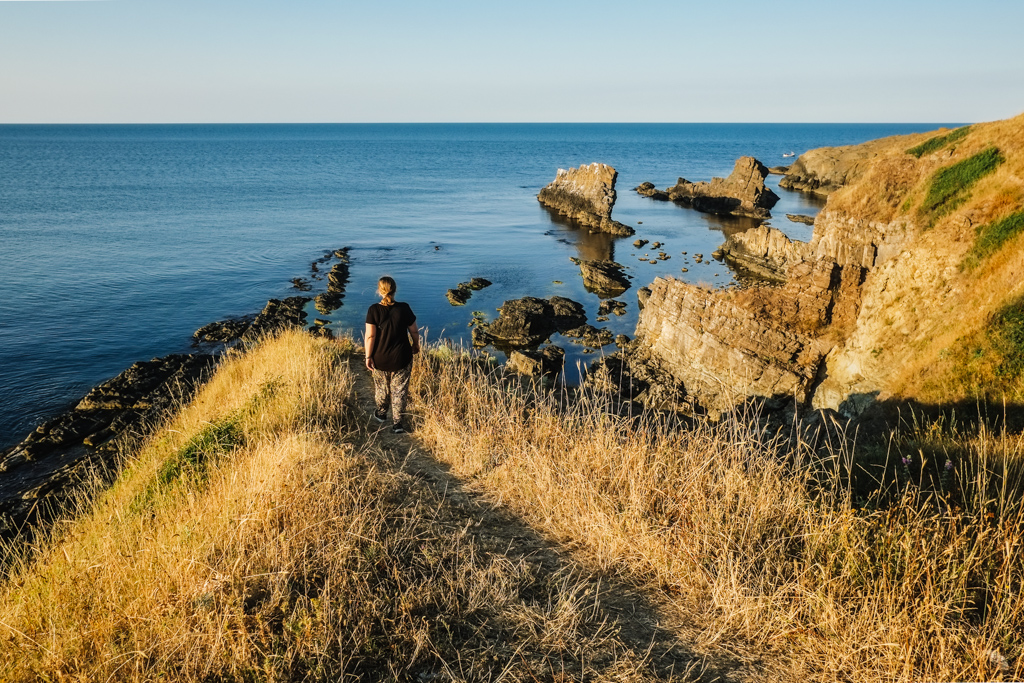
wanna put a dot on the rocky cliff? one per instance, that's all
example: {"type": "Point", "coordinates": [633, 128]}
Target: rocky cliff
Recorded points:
{"type": "Point", "coordinates": [911, 288]}
{"type": "Point", "coordinates": [587, 196]}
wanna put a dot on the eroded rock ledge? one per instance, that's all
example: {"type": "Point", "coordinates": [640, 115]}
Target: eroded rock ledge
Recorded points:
{"type": "Point", "coordinates": [587, 196]}
{"type": "Point", "coordinates": [743, 193]}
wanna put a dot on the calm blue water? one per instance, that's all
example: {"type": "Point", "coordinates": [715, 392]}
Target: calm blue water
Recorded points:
{"type": "Point", "coordinates": [117, 242]}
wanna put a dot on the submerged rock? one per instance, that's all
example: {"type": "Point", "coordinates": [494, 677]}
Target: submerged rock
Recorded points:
{"type": "Point", "coordinates": [586, 195]}
{"type": "Point", "coordinates": [459, 295]}
{"type": "Point", "coordinates": [588, 335]}
{"type": "Point", "coordinates": [604, 278]}
{"type": "Point", "coordinates": [610, 306]}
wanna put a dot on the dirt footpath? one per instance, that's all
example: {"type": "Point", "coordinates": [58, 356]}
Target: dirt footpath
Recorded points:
{"type": "Point", "coordinates": [639, 631]}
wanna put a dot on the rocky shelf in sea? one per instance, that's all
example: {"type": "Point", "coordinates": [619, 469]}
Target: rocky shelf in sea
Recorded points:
{"type": "Point", "coordinates": [459, 295]}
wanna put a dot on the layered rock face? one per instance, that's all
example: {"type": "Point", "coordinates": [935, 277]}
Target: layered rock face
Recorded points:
{"type": "Point", "coordinates": [765, 342]}
{"type": "Point", "coordinates": [586, 195]}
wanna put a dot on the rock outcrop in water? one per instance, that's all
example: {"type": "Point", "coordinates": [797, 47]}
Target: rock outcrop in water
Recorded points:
{"type": "Point", "coordinates": [604, 278]}
{"type": "Point", "coordinates": [337, 280]}
{"type": "Point", "coordinates": [459, 295]}
{"type": "Point", "coordinates": [527, 322]}
{"type": "Point", "coordinates": [586, 195]}
{"type": "Point", "coordinates": [743, 193]}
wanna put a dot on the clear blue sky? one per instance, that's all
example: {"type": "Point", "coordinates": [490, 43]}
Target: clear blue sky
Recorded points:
{"type": "Point", "coordinates": [516, 60]}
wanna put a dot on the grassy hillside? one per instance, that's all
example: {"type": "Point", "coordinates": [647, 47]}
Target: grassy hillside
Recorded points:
{"type": "Point", "coordinates": [268, 534]}
{"type": "Point", "coordinates": [264, 534]}
{"type": "Point", "coordinates": [939, 320]}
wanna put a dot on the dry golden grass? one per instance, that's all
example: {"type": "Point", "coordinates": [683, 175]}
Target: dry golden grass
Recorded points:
{"type": "Point", "coordinates": [757, 540]}
{"type": "Point", "coordinates": [293, 550]}
{"type": "Point", "coordinates": [298, 548]}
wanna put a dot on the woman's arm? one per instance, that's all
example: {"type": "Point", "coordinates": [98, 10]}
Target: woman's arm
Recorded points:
{"type": "Point", "coordinates": [415, 332]}
{"type": "Point", "coordinates": [368, 339]}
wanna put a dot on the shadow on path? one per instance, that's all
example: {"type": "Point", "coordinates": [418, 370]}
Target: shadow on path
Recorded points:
{"type": "Point", "coordinates": [641, 626]}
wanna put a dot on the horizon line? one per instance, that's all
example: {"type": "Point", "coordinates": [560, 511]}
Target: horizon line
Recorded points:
{"type": "Point", "coordinates": [466, 123]}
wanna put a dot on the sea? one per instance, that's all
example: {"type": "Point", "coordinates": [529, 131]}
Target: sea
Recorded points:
{"type": "Point", "coordinates": [118, 241]}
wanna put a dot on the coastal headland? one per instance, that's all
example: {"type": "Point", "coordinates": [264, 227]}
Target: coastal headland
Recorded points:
{"type": "Point", "coordinates": [735, 468]}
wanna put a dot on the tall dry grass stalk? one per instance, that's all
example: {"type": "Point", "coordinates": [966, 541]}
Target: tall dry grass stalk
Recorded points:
{"type": "Point", "coordinates": [264, 535]}
{"type": "Point", "coordinates": [755, 539]}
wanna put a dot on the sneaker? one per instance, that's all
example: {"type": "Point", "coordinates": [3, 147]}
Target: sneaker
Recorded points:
{"type": "Point", "coordinates": [397, 428]}
{"type": "Point", "coordinates": [380, 415]}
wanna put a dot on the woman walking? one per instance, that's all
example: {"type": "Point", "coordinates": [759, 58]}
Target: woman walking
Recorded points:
{"type": "Point", "coordinates": [389, 352]}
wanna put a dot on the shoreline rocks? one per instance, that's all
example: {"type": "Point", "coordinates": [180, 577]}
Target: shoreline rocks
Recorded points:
{"type": "Point", "coordinates": [459, 295]}
{"type": "Point", "coordinates": [337, 280]}
{"type": "Point", "coordinates": [743, 193]}
{"type": "Point", "coordinates": [528, 322]}
{"type": "Point", "coordinates": [43, 473]}
{"type": "Point", "coordinates": [586, 195]}
{"type": "Point", "coordinates": [537, 364]}
{"type": "Point", "coordinates": [40, 475]}
{"type": "Point", "coordinates": [604, 278]}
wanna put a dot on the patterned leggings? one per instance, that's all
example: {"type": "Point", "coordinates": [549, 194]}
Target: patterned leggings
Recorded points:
{"type": "Point", "coordinates": [393, 388]}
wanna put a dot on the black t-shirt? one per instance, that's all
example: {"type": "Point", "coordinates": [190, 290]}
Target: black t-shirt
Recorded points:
{"type": "Point", "coordinates": [391, 350]}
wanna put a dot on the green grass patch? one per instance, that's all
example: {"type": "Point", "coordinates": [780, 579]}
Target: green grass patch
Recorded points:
{"type": "Point", "coordinates": [991, 237]}
{"type": "Point", "coordinates": [950, 186]}
{"type": "Point", "coordinates": [990, 362]}
{"type": "Point", "coordinates": [1007, 338]}
{"type": "Point", "coordinates": [191, 461]}
{"type": "Point", "coordinates": [215, 439]}
{"type": "Point", "coordinates": [938, 142]}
